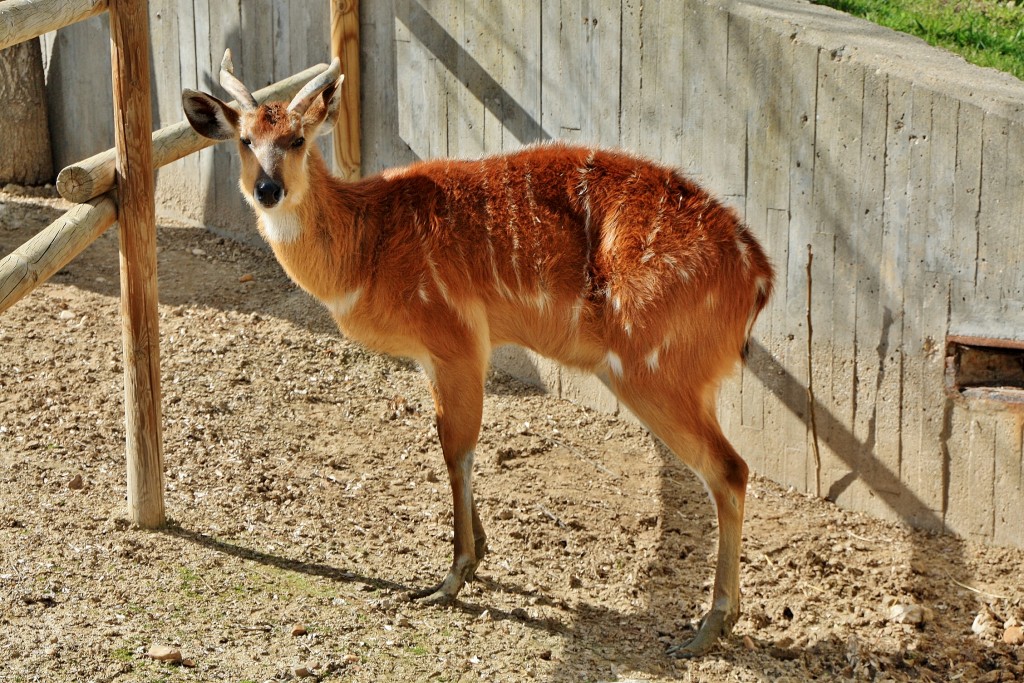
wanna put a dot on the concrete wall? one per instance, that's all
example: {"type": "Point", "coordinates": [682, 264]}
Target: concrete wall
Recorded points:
{"type": "Point", "coordinates": [898, 166]}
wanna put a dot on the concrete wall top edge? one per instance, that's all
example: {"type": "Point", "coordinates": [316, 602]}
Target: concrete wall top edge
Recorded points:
{"type": "Point", "coordinates": [849, 38]}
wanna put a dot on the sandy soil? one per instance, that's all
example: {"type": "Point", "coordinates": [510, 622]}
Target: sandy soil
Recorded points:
{"type": "Point", "coordinates": [307, 494]}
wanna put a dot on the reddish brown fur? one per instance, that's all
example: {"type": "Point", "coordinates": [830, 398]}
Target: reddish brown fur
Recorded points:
{"type": "Point", "coordinates": [504, 231]}
{"type": "Point", "coordinates": [596, 258]}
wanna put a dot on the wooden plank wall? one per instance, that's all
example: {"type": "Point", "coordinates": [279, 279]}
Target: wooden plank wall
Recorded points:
{"type": "Point", "coordinates": [79, 95]}
{"type": "Point", "coordinates": [897, 166]}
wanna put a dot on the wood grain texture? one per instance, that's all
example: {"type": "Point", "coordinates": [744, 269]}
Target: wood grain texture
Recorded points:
{"type": "Point", "coordinates": [52, 248]}
{"type": "Point", "coordinates": [129, 49]}
{"type": "Point", "coordinates": [797, 469]}
{"type": "Point", "coordinates": [24, 19]}
{"type": "Point", "coordinates": [24, 135]}
{"type": "Point", "coordinates": [872, 324]}
{"type": "Point", "coordinates": [345, 46]}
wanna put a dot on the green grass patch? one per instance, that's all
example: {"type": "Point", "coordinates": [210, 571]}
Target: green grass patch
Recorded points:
{"type": "Point", "coordinates": [189, 582]}
{"type": "Point", "coordinates": [985, 32]}
{"type": "Point", "coordinates": [123, 654]}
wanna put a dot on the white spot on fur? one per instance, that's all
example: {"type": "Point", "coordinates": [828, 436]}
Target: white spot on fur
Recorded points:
{"type": "Point", "coordinates": [614, 363]}
{"type": "Point", "coordinates": [281, 226]}
{"type": "Point", "coordinates": [659, 218]}
{"type": "Point", "coordinates": [541, 299]}
{"type": "Point", "coordinates": [422, 290]}
{"type": "Point", "coordinates": [577, 312]}
{"type": "Point", "coordinates": [762, 284]}
{"type": "Point", "coordinates": [652, 360]}
{"type": "Point", "coordinates": [707, 487]}
{"type": "Point", "coordinates": [710, 300]}
{"type": "Point", "coordinates": [344, 304]}
{"type": "Point", "coordinates": [499, 283]}
{"type": "Point", "coordinates": [762, 287]}
{"type": "Point", "coordinates": [583, 191]}
{"type": "Point", "coordinates": [438, 282]}
{"type": "Point", "coordinates": [670, 261]}
{"type": "Point", "coordinates": [428, 368]}
{"type": "Point", "coordinates": [742, 247]}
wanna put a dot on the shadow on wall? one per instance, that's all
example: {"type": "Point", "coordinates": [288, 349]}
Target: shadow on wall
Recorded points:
{"type": "Point", "coordinates": [468, 71]}
{"type": "Point", "coordinates": [854, 452]}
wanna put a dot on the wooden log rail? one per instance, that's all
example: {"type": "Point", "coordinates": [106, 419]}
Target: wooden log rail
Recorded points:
{"type": "Point", "coordinates": [21, 20]}
{"type": "Point", "coordinates": [94, 176]}
{"type": "Point", "coordinates": [52, 248]}
{"type": "Point", "coordinates": [345, 46]}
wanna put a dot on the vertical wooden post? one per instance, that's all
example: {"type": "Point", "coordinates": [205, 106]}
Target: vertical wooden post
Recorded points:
{"type": "Point", "coordinates": [345, 45]}
{"type": "Point", "coordinates": [129, 56]}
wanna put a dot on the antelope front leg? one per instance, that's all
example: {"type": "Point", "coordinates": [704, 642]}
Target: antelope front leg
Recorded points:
{"type": "Point", "coordinates": [458, 397]}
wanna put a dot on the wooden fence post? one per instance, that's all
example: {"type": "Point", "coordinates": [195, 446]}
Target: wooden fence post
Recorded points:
{"type": "Point", "coordinates": [129, 56]}
{"type": "Point", "coordinates": [345, 46]}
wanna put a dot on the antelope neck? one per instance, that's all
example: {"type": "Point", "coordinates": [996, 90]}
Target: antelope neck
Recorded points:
{"type": "Point", "coordinates": [317, 240]}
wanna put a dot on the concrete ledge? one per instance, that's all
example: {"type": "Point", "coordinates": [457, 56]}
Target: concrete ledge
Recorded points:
{"type": "Point", "coordinates": [851, 39]}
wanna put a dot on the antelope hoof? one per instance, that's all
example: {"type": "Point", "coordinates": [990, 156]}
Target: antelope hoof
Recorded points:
{"type": "Point", "coordinates": [445, 592]}
{"type": "Point", "coordinates": [434, 596]}
{"type": "Point", "coordinates": [716, 624]}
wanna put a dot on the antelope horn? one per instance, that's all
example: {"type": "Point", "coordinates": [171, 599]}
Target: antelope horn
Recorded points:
{"type": "Point", "coordinates": [305, 97]}
{"type": "Point", "coordinates": [233, 86]}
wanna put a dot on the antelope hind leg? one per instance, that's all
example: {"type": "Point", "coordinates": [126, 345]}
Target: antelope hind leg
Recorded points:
{"type": "Point", "coordinates": [686, 424]}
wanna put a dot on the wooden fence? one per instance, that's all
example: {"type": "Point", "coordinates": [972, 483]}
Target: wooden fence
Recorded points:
{"type": "Point", "coordinates": [136, 214]}
{"type": "Point", "coordinates": [119, 184]}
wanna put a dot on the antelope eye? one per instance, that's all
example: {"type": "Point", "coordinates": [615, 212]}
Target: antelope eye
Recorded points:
{"type": "Point", "coordinates": [298, 143]}
{"type": "Point", "coordinates": [247, 142]}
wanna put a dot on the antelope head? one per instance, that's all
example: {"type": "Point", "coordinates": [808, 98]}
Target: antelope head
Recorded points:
{"type": "Point", "coordinates": [274, 138]}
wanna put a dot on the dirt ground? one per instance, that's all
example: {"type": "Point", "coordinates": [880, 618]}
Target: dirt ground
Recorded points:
{"type": "Point", "coordinates": [306, 495]}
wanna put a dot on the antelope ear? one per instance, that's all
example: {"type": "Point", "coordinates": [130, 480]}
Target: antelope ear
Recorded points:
{"type": "Point", "coordinates": [208, 116]}
{"type": "Point", "coordinates": [323, 113]}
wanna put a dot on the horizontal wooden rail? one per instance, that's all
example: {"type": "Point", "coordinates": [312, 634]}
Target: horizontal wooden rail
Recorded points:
{"type": "Point", "coordinates": [52, 248]}
{"type": "Point", "coordinates": [93, 176]}
{"type": "Point", "coordinates": [21, 20]}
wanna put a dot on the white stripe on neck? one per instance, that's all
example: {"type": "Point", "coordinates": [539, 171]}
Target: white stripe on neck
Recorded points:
{"type": "Point", "coordinates": [281, 225]}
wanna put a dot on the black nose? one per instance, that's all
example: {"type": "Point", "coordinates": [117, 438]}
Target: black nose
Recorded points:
{"type": "Point", "coordinates": [268, 193]}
